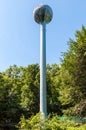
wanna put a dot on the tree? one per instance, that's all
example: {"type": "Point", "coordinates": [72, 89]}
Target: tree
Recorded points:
{"type": "Point", "coordinates": [74, 63]}
{"type": "Point", "coordinates": [30, 90]}
{"type": "Point", "coordinates": [9, 105]}
{"type": "Point", "coordinates": [53, 103]}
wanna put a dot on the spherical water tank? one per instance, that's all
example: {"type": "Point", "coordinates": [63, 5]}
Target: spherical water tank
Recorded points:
{"type": "Point", "coordinates": [43, 13]}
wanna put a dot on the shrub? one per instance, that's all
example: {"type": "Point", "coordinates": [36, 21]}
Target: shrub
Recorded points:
{"type": "Point", "coordinates": [52, 122]}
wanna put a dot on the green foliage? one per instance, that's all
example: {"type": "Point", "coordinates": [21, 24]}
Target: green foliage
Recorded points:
{"type": "Point", "coordinates": [73, 92]}
{"type": "Point", "coordinates": [53, 103]}
{"type": "Point", "coordinates": [30, 90]}
{"type": "Point", "coordinates": [9, 107]}
{"type": "Point", "coordinates": [19, 92]}
{"type": "Point", "coordinates": [52, 122]}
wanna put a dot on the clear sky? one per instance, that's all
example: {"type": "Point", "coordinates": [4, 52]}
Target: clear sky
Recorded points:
{"type": "Point", "coordinates": [19, 34]}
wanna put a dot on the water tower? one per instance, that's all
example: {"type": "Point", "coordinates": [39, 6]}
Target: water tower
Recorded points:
{"type": "Point", "coordinates": [43, 15]}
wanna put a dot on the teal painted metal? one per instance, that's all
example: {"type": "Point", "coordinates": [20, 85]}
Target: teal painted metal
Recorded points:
{"type": "Point", "coordinates": [43, 102]}
{"type": "Point", "coordinates": [73, 118]}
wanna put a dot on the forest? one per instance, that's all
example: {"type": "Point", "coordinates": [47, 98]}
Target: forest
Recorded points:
{"type": "Point", "coordinates": [66, 92]}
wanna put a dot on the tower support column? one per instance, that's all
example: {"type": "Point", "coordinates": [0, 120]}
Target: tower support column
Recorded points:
{"type": "Point", "coordinates": [43, 102]}
{"type": "Point", "coordinates": [43, 15]}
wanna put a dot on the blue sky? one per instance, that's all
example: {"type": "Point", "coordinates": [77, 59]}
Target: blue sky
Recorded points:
{"type": "Point", "coordinates": [19, 34]}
